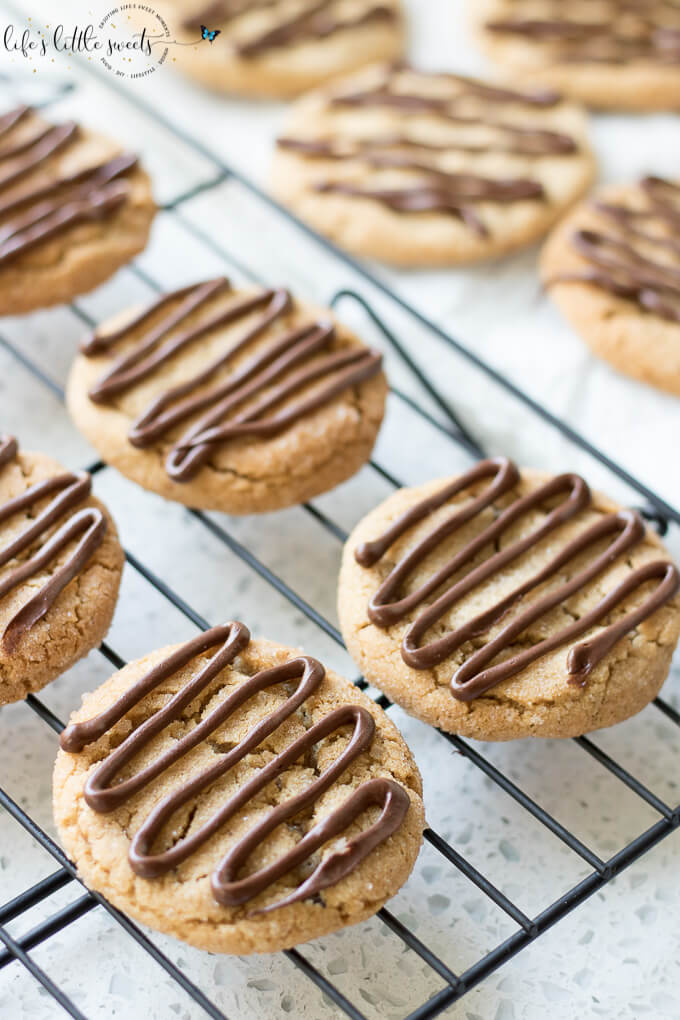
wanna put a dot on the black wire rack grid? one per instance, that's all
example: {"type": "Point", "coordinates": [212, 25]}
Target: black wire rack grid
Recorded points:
{"type": "Point", "coordinates": [528, 929]}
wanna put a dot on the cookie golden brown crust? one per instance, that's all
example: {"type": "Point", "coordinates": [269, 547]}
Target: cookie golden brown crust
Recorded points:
{"type": "Point", "coordinates": [269, 48]}
{"type": "Point", "coordinates": [539, 700]}
{"type": "Point", "coordinates": [430, 169]}
{"type": "Point", "coordinates": [80, 616]}
{"type": "Point", "coordinates": [639, 334]}
{"type": "Point", "coordinates": [610, 55]}
{"type": "Point", "coordinates": [65, 231]}
{"type": "Point", "coordinates": [181, 902]}
{"type": "Point", "coordinates": [250, 472]}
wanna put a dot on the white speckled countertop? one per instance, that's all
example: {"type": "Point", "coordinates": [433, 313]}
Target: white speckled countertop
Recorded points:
{"type": "Point", "coordinates": [616, 956]}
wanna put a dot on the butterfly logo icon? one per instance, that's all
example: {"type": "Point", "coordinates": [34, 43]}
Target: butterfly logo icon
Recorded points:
{"type": "Point", "coordinates": [209, 34]}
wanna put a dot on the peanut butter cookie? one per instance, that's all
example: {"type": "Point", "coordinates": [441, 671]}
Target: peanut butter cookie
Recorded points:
{"type": "Point", "coordinates": [504, 604]}
{"type": "Point", "coordinates": [431, 169]}
{"type": "Point", "coordinates": [242, 401]}
{"type": "Point", "coordinates": [235, 794]}
{"type": "Point", "coordinates": [73, 209]}
{"type": "Point", "coordinates": [60, 568]}
{"type": "Point", "coordinates": [609, 54]}
{"type": "Point", "coordinates": [280, 48]}
{"type": "Point", "coordinates": [613, 268]}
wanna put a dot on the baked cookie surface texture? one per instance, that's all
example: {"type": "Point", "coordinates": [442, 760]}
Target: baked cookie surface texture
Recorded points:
{"type": "Point", "coordinates": [507, 603]}
{"type": "Point", "coordinates": [237, 795]}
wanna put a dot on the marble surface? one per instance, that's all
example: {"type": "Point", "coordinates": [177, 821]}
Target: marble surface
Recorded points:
{"type": "Point", "coordinates": [617, 955]}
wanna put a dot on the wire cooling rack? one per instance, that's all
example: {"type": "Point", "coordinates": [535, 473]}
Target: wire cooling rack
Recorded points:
{"type": "Point", "coordinates": [446, 424]}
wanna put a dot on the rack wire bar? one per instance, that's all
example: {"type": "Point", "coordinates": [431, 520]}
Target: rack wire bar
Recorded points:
{"type": "Point", "coordinates": [544, 921]}
{"type": "Point", "coordinates": [17, 953]}
{"type": "Point", "coordinates": [50, 926]}
{"type": "Point", "coordinates": [38, 892]}
{"type": "Point", "coordinates": [458, 432]}
{"type": "Point", "coordinates": [41, 837]}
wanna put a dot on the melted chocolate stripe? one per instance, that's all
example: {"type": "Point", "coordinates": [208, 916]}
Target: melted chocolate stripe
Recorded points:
{"type": "Point", "coordinates": [438, 190]}
{"type": "Point", "coordinates": [73, 185]}
{"type": "Point", "coordinates": [500, 94]}
{"type": "Point", "coordinates": [385, 793]}
{"type": "Point", "coordinates": [80, 187]}
{"type": "Point", "coordinates": [88, 524]}
{"type": "Point", "coordinates": [103, 794]}
{"type": "Point", "coordinates": [346, 368]}
{"type": "Point", "coordinates": [223, 11]}
{"type": "Point", "coordinates": [196, 447]}
{"type": "Point", "coordinates": [96, 342]}
{"type": "Point", "coordinates": [626, 526]}
{"type": "Point", "coordinates": [37, 150]}
{"type": "Point", "coordinates": [583, 658]}
{"type": "Point", "coordinates": [472, 679]}
{"type": "Point", "coordinates": [540, 97]}
{"type": "Point", "coordinates": [313, 23]}
{"type": "Point", "coordinates": [445, 109]}
{"type": "Point", "coordinates": [384, 613]}
{"type": "Point", "coordinates": [28, 143]}
{"type": "Point", "coordinates": [293, 347]}
{"type": "Point", "coordinates": [143, 359]}
{"type": "Point", "coordinates": [12, 117]}
{"type": "Point", "coordinates": [651, 39]}
{"type": "Point", "coordinates": [529, 144]}
{"type": "Point", "coordinates": [49, 208]}
{"type": "Point", "coordinates": [615, 262]}
{"type": "Point", "coordinates": [94, 207]}
{"type": "Point", "coordinates": [311, 673]}
{"type": "Point", "coordinates": [423, 199]}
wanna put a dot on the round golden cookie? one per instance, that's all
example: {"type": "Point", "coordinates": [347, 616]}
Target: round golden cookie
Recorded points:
{"type": "Point", "coordinates": [613, 268]}
{"type": "Point", "coordinates": [424, 169]}
{"type": "Point", "coordinates": [610, 54]}
{"type": "Point", "coordinates": [280, 47]}
{"type": "Point", "coordinates": [341, 816]}
{"type": "Point", "coordinates": [508, 569]}
{"type": "Point", "coordinates": [237, 400]}
{"type": "Point", "coordinates": [73, 209]}
{"type": "Point", "coordinates": [60, 569]}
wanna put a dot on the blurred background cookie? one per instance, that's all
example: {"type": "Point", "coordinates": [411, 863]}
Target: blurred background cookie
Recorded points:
{"type": "Point", "coordinates": [280, 47]}
{"type": "Point", "coordinates": [60, 569]}
{"type": "Point", "coordinates": [420, 168]}
{"type": "Point", "coordinates": [611, 54]}
{"type": "Point", "coordinates": [613, 268]}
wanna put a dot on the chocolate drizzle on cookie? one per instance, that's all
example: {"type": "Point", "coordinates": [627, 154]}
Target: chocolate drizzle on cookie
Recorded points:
{"type": "Point", "coordinates": [303, 676]}
{"type": "Point", "coordinates": [436, 189]}
{"type": "Point", "coordinates": [638, 256]}
{"type": "Point", "coordinates": [622, 530]}
{"type": "Point", "coordinates": [313, 21]}
{"type": "Point", "coordinates": [33, 212]}
{"type": "Point", "coordinates": [88, 526]}
{"type": "Point", "coordinates": [291, 362]}
{"type": "Point", "coordinates": [619, 32]}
